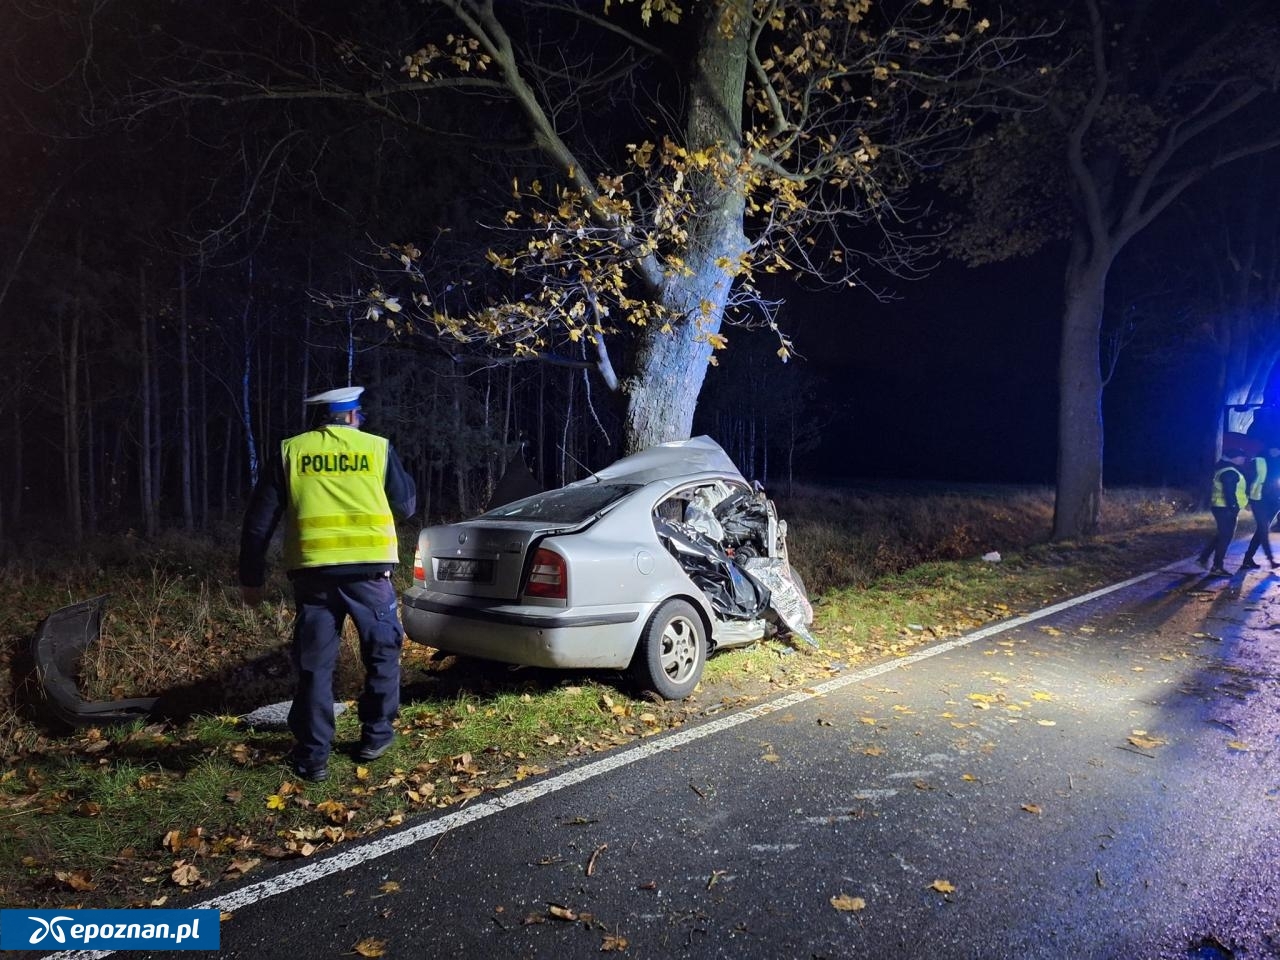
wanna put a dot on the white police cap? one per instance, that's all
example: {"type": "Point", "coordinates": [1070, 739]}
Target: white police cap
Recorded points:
{"type": "Point", "coordinates": [340, 399]}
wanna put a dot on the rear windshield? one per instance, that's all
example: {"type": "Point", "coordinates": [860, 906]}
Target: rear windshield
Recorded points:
{"type": "Point", "coordinates": [566, 505]}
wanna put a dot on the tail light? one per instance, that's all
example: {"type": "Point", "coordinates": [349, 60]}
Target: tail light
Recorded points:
{"type": "Point", "coordinates": [419, 555]}
{"type": "Point", "coordinates": [548, 576]}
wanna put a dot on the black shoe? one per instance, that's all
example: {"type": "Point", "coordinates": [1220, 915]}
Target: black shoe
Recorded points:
{"type": "Point", "coordinates": [1248, 563]}
{"type": "Point", "coordinates": [313, 774]}
{"type": "Point", "coordinates": [1219, 572]}
{"type": "Point", "coordinates": [367, 751]}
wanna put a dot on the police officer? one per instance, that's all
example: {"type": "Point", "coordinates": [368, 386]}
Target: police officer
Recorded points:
{"type": "Point", "coordinates": [340, 491]}
{"type": "Point", "coordinates": [1229, 495]}
{"type": "Point", "coordinates": [1264, 501]}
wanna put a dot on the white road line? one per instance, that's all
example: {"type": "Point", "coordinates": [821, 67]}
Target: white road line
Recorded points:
{"type": "Point", "coordinates": [347, 859]}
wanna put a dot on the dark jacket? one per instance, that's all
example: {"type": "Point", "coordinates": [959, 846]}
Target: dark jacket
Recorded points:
{"type": "Point", "coordinates": [267, 505]}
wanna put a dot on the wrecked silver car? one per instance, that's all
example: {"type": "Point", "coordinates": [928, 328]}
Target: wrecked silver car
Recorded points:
{"type": "Point", "coordinates": [648, 566]}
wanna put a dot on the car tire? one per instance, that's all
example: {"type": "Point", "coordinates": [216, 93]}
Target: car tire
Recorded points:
{"type": "Point", "coordinates": [672, 651]}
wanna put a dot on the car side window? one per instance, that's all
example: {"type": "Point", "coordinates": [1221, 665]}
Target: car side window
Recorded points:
{"type": "Point", "coordinates": [693, 504]}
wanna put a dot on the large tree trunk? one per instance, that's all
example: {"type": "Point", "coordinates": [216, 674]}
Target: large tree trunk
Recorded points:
{"type": "Point", "coordinates": [661, 398]}
{"type": "Point", "coordinates": [1079, 494]}
{"type": "Point", "coordinates": [669, 368]}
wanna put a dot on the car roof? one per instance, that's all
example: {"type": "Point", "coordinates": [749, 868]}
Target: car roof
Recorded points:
{"type": "Point", "coordinates": [669, 461]}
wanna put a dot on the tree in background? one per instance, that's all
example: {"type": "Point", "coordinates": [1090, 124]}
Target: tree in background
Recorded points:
{"type": "Point", "coordinates": [657, 159]}
{"type": "Point", "coordinates": [1138, 101]}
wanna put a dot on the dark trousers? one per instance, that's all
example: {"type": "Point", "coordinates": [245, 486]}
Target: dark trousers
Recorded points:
{"type": "Point", "coordinates": [1225, 518]}
{"type": "Point", "coordinates": [323, 604]}
{"type": "Point", "coordinates": [1264, 514]}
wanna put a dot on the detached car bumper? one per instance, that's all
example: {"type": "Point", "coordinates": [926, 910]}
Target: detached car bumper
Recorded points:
{"type": "Point", "coordinates": [599, 637]}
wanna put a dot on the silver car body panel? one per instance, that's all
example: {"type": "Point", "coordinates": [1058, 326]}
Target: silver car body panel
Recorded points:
{"type": "Point", "coordinates": [669, 461]}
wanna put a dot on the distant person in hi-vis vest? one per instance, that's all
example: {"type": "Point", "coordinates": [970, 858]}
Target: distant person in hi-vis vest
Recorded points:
{"type": "Point", "coordinates": [1264, 502]}
{"type": "Point", "coordinates": [1229, 495]}
{"type": "Point", "coordinates": [340, 491]}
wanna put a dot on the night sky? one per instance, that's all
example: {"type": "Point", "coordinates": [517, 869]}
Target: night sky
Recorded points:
{"type": "Point", "coordinates": [955, 379]}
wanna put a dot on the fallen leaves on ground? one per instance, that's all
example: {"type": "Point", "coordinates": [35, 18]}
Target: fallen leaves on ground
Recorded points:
{"type": "Point", "coordinates": [1032, 808]}
{"type": "Point", "coordinates": [238, 868]}
{"type": "Point", "coordinates": [78, 880]}
{"type": "Point", "coordinates": [1142, 741]}
{"type": "Point", "coordinates": [185, 874]}
{"type": "Point", "coordinates": [943, 886]}
{"type": "Point", "coordinates": [370, 947]}
{"type": "Point", "coordinates": [595, 855]}
{"type": "Point", "coordinates": [848, 903]}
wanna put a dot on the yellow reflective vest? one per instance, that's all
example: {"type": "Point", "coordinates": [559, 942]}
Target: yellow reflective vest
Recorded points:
{"type": "Point", "coordinates": [337, 502]}
{"type": "Point", "coordinates": [1259, 478]}
{"type": "Point", "coordinates": [1219, 497]}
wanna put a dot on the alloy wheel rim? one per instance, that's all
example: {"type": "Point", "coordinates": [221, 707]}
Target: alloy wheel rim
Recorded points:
{"type": "Point", "coordinates": [679, 650]}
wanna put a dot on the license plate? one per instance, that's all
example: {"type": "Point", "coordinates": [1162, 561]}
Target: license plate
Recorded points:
{"type": "Point", "coordinates": [470, 571]}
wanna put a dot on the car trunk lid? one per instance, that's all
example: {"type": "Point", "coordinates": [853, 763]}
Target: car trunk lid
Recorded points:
{"type": "Point", "coordinates": [482, 558]}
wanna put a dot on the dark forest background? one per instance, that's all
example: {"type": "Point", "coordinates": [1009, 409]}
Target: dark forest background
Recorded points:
{"type": "Point", "coordinates": [175, 276]}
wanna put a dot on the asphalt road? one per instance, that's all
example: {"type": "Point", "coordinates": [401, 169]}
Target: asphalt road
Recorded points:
{"type": "Point", "coordinates": [1103, 782]}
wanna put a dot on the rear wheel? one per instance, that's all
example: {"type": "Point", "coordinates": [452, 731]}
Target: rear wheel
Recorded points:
{"type": "Point", "coordinates": [671, 652]}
